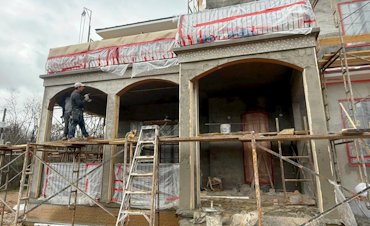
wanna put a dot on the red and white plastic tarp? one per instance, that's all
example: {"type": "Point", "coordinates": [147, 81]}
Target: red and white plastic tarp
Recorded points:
{"type": "Point", "coordinates": [150, 51]}
{"type": "Point", "coordinates": [244, 20]}
{"type": "Point", "coordinates": [168, 185]}
{"type": "Point", "coordinates": [156, 46]}
{"type": "Point", "coordinates": [53, 183]}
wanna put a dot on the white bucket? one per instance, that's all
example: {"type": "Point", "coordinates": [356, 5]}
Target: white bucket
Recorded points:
{"type": "Point", "coordinates": [225, 128]}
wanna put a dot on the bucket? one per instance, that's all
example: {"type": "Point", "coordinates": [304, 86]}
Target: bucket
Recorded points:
{"type": "Point", "coordinates": [225, 128]}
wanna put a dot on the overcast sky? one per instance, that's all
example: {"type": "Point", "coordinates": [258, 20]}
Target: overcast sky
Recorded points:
{"type": "Point", "coordinates": [30, 27]}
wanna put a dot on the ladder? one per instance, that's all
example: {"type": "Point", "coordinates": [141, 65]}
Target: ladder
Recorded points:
{"type": "Point", "coordinates": [25, 183]}
{"type": "Point", "coordinates": [148, 140]}
{"type": "Point", "coordinates": [305, 155]}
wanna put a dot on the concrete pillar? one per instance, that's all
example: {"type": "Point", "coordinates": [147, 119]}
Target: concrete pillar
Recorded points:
{"type": "Point", "coordinates": [317, 125]}
{"type": "Point", "coordinates": [111, 121]}
{"type": "Point", "coordinates": [42, 136]}
{"type": "Point", "coordinates": [186, 150]}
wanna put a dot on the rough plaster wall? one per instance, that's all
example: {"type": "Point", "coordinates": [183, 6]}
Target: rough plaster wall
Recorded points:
{"type": "Point", "coordinates": [299, 111]}
{"type": "Point", "coordinates": [298, 51]}
{"type": "Point", "coordinates": [349, 174]}
{"type": "Point", "coordinates": [325, 19]}
{"type": "Point", "coordinates": [226, 158]}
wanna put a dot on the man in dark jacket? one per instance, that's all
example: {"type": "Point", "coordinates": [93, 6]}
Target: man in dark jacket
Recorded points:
{"type": "Point", "coordinates": [78, 101]}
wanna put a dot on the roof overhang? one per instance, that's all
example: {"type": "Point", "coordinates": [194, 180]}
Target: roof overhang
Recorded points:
{"type": "Point", "coordinates": [138, 28]}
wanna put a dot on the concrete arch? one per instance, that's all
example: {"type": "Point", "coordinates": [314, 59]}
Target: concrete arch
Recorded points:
{"type": "Point", "coordinates": [143, 82]}
{"type": "Point", "coordinates": [247, 60]}
{"type": "Point", "coordinates": [57, 97]}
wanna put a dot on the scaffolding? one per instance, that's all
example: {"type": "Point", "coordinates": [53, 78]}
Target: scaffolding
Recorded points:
{"type": "Point", "coordinates": [344, 58]}
{"type": "Point", "coordinates": [74, 150]}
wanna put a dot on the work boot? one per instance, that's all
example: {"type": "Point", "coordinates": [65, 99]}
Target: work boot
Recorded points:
{"type": "Point", "coordinates": [88, 138]}
{"type": "Point", "coordinates": [64, 138]}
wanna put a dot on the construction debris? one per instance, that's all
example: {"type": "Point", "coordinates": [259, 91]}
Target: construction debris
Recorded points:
{"type": "Point", "coordinates": [244, 218]}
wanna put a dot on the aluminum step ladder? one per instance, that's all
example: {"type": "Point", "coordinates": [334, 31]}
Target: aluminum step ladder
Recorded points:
{"type": "Point", "coordinates": [147, 143]}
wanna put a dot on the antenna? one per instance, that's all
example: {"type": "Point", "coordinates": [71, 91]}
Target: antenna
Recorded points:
{"type": "Point", "coordinates": [85, 12]}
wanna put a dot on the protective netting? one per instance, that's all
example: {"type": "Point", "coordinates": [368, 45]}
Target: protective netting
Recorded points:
{"type": "Point", "coordinates": [168, 185]}
{"type": "Point", "coordinates": [53, 183]}
{"type": "Point", "coordinates": [244, 20]}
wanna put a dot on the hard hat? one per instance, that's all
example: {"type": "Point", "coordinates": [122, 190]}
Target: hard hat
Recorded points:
{"type": "Point", "coordinates": [78, 84]}
{"type": "Point", "coordinates": [360, 187]}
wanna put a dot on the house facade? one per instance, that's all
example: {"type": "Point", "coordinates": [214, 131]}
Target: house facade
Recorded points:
{"type": "Point", "coordinates": [229, 64]}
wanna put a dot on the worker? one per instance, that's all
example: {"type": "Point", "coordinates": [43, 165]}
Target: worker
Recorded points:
{"type": "Point", "coordinates": [65, 103]}
{"type": "Point", "coordinates": [67, 109]}
{"type": "Point", "coordinates": [77, 102]}
{"type": "Point", "coordinates": [361, 205]}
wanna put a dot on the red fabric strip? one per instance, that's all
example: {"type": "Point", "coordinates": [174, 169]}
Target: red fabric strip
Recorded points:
{"type": "Point", "coordinates": [180, 31]}
{"type": "Point", "coordinates": [46, 182]}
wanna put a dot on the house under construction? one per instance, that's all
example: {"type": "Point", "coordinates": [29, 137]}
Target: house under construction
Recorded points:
{"type": "Point", "coordinates": [256, 109]}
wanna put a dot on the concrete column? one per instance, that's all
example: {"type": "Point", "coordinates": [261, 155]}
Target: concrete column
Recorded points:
{"type": "Point", "coordinates": [317, 125]}
{"type": "Point", "coordinates": [186, 150]}
{"type": "Point", "coordinates": [111, 121]}
{"type": "Point", "coordinates": [43, 135]}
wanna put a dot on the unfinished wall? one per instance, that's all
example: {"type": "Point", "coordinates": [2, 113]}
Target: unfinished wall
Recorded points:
{"type": "Point", "coordinates": [108, 83]}
{"type": "Point", "coordinates": [349, 174]}
{"type": "Point", "coordinates": [195, 61]}
{"type": "Point", "coordinates": [325, 18]}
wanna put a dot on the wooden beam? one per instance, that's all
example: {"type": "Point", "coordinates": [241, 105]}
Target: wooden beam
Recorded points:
{"type": "Point", "coordinates": [244, 137]}
{"type": "Point", "coordinates": [335, 41]}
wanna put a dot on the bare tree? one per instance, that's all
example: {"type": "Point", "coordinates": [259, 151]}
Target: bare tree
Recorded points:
{"type": "Point", "coordinates": [22, 118]}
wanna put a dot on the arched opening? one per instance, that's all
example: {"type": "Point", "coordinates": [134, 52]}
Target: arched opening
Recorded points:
{"type": "Point", "coordinates": [151, 102]}
{"type": "Point", "coordinates": [251, 95]}
{"type": "Point", "coordinates": [94, 113]}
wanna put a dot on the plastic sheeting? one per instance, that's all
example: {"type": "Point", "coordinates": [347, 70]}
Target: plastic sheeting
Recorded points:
{"type": "Point", "coordinates": [53, 183]}
{"type": "Point", "coordinates": [142, 67]}
{"type": "Point", "coordinates": [344, 210]}
{"type": "Point", "coordinates": [116, 69]}
{"type": "Point", "coordinates": [156, 46]}
{"type": "Point", "coordinates": [168, 186]}
{"type": "Point", "coordinates": [244, 20]}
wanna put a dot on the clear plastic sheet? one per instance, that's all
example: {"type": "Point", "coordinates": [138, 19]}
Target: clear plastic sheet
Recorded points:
{"type": "Point", "coordinates": [53, 183]}
{"type": "Point", "coordinates": [344, 210]}
{"type": "Point", "coordinates": [143, 67]}
{"type": "Point", "coordinates": [115, 69]}
{"type": "Point", "coordinates": [244, 20]}
{"type": "Point", "coordinates": [168, 186]}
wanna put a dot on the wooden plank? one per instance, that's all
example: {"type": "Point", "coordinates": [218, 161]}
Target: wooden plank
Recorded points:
{"type": "Point", "coordinates": [333, 41]}
{"type": "Point", "coordinates": [87, 215]}
{"type": "Point", "coordinates": [211, 197]}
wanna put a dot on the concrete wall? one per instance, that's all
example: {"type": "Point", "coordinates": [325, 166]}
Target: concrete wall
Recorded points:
{"type": "Point", "coordinates": [110, 84]}
{"type": "Point", "coordinates": [349, 174]}
{"type": "Point", "coordinates": [226, 158]}
{"type": "Point", "coordinates": [297, 51]}
{"type": "Point", "coordinates": [325, 18]}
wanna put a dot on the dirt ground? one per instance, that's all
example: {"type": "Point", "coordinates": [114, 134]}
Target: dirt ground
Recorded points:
{"type": "Point", "coordinates": [11, 200]}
